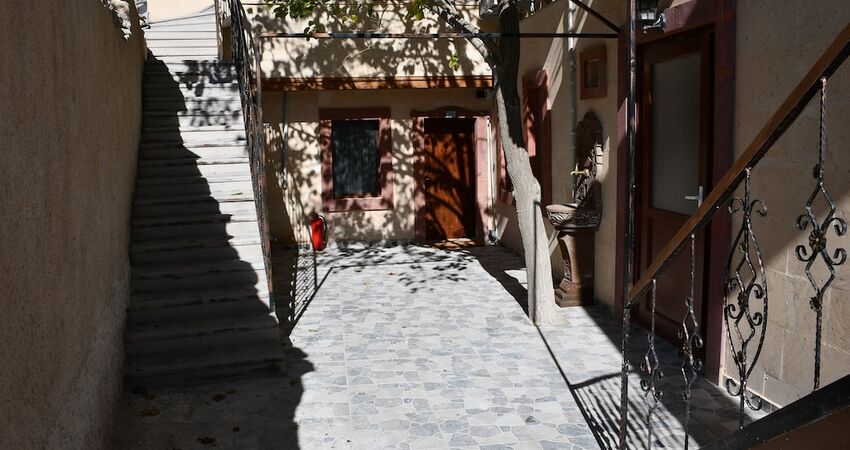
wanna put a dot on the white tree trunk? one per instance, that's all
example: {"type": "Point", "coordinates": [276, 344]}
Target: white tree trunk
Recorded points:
{"type": "Point", "coordinates": [526, 189]}
{"type": "Point", "coordinates": [503, 57]}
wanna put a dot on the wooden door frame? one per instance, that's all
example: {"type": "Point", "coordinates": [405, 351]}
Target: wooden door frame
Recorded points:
{"type": "Point", "coordinates": [667, 51]}
{"type": "Point", "coordinates": [538, 81]}
{"type": "Point", "coordinates": [719, 18]}
{"type": "Point", "coordinates": [481, 152]}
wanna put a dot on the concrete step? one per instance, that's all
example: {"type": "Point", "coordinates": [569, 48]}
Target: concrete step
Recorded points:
{"type": "Point", "coordinates": [183, 41]}
{"type": "Point", "coordinates": [181, 368]}
{"type": "Point", "coordinates": [200, 334]}
{"type": "Point", "coordinates": [234, 211]}
{"type": "Point", "coordinates": [176, 62]}
{"type": "Point", "coordinates": [202, 25]}
{"type": "Point", "coordinates": [182, 152]}
{"type": "Point", "coordinates": [203, 66]}
{"type": "Point", "coordinates": [168, 88]}
{"type": "Point", "coordinates": [230, 273]}
{"type": "Point", "coordinates": [174, 209]}
{"type": "Point", "coordinates": [187, 49]}
{"type": "Point", "coordinates": [222, 104]}
{"type": "Point", "coordinates": [201, 135]}
{"type": "Point", "coordinates": [252, 253]}
{"type": "Point", "coordinates": [183, 119]}
{"type": "Point", "coordinates": [190, 161]}
{"type": "Point", "coordinates": [183, 200]}
{"type": "Point", "coordinates": [189, 179]}
{"type": "Point", "coordinates": [192, 243]}
{"type": "Point", "coordinates": [223, 228]}
{"type": "Point", "coordinates": [191, 75]}
{"type": "Point", "coordinates": [177, 306]}
{"type": "Point", "coordinates": [191, 146]}
{"type": "Point", "coordinates": [215, 190]}
{"type": "Point", "coordinates": [169, 33]}
{"type": "Point", "coordinates": [200, 75]}
{"type": "Point", "coordinates": [189, 173]}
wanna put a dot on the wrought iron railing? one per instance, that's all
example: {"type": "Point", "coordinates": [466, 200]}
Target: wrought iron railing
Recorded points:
{"type": "Point", "coordinates": [745, 304]}
{"type": "Point", "coordinates": [245, 59]}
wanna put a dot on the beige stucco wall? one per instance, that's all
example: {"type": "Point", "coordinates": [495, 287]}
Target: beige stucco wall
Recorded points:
{"type": "Point", "coordinates": [777, 42]}
{"type": "Point", "coordinates": [159, 10]}
{"type": "Point", "coordinates": [550, 54]}
{"type": "Point", "coordinates": [290, 207]}
{"type": "Point", "coordinates": [70, 130]}
{"type": "Point", "coordinates": [301, 58]}
{"type": "Point", "coordinates": [606, 110]}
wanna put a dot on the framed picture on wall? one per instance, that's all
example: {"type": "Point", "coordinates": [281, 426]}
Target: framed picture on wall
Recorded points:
{"type": "Point", "coordinates": [593, 81]}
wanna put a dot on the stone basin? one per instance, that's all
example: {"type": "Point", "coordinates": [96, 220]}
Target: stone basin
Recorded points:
{"type": "Point", "coordinates": [570, 216]}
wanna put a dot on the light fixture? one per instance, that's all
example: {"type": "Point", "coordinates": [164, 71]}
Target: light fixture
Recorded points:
{"type": "Point", "coordinates": [648, 12]}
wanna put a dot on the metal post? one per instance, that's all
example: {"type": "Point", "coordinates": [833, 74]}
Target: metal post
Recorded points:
{"type": "Point", "coordinates": [628, 266]}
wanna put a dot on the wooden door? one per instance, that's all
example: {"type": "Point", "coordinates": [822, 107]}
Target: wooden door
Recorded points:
{"type": "Point", "coordinates": [674, 147]}
{"type": "Point", "coordinates": [448, 178]}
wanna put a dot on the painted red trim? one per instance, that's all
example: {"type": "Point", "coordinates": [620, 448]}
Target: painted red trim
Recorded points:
{"type": "Point", "coordinates": [719, 17]}
{"type": "Point", "coordinates": [503, 184]}
{"type": "Point", "coordinates": [537, 84]}
{"type": "Point", "coordinates": [600, 54]}
{"type": "Point", "coordinates": [481, 170]}
{"type": "Point", "coordinates": [385, 147]}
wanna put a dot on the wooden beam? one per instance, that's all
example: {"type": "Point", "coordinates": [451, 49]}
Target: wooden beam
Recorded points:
{"type": "Point", "coordinates": [370, 83]}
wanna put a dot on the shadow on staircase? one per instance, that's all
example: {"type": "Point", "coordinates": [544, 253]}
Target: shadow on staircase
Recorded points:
{"type": "Point", "coordinates": [201, 325]}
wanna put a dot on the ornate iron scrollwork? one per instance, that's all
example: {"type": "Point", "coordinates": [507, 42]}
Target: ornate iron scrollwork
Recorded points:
{"type": "Point", "coordinates": [691, 339]}
{"type": "Point", "coordinates": [651, 369]}
{"type": "Point", "coordinates": [750, 282]}
{"type": "Point", "coordinates": [817, 245]}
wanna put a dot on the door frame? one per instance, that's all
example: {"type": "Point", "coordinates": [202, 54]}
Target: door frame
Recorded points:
{"type": "Point", "coordinates": [661, 51]}
{"type": "Point", "coordinates": [717, 17]}
{"type": "Point", "coordinates": [480, 151]}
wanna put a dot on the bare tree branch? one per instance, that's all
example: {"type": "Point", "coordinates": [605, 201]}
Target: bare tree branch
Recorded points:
{"type": "Point", "coordinates": [449, 13]}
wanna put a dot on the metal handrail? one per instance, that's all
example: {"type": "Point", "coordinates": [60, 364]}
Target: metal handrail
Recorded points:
{"type": "Point", "coordinates": [745, 302]}
{"type": "Point", "coordinates": [781, 120]}
{"type": "Point", "coordinates": [248, 76]}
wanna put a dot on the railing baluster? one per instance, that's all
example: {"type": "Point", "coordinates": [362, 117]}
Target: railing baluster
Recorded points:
{"type": "Point", "coordinates": [254, 133]}
{"type": "Point", "coordinates": [746, 280]}
{"type": "Point", "coordinates": [689, 334]}
{"type": "Point", "coordinates": [818, 236]}
{"type": "Point", "coordinates": [651, 368]}
{"type": "Point", "coordinates": [740, 316]}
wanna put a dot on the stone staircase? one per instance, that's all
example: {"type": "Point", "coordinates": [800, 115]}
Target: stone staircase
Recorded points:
{"type": "Point", "coordinates": [200, 305]}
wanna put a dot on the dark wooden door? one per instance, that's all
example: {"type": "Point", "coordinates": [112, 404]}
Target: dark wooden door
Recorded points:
{"type": "Point", "coordinates": [673, 146]}
{"type": "Point", "coordinates": [448, 178]}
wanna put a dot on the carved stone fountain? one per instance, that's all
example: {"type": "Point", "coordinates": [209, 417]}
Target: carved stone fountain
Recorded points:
{"type": "Point", "coordinates": [577, 222]}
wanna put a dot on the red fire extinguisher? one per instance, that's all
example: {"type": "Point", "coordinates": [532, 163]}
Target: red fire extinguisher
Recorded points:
{"type": "Point", "coordinates": [318, 232]}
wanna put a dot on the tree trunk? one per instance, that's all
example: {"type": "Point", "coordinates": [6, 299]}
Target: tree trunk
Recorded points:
{"type": "Point", "coordinates": [526, 189]}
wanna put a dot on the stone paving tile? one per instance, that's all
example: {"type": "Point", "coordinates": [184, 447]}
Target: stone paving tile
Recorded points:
{"type": "Point", "coordinates": [410, 347]}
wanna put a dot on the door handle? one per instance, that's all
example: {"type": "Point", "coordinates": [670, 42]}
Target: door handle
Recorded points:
{"type": "Point", "coordinates": [697, 198]}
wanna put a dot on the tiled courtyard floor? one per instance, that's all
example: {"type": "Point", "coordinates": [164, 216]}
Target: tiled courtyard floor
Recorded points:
{"type": "Point", "coordinates": [413, 347]}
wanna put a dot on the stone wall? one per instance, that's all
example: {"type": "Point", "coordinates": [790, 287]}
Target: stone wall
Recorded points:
{"type": "Point", "coordinates": [70, 130]}
{"type": "Point", "coordinates": [777, 43]}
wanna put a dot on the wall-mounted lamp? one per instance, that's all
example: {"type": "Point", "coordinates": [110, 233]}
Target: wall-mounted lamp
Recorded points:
{"type": "Point", "coordinates": [650, 14]}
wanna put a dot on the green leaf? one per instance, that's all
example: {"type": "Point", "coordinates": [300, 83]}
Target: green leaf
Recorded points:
{"type": "Point", "coordinates": [454, 62]}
